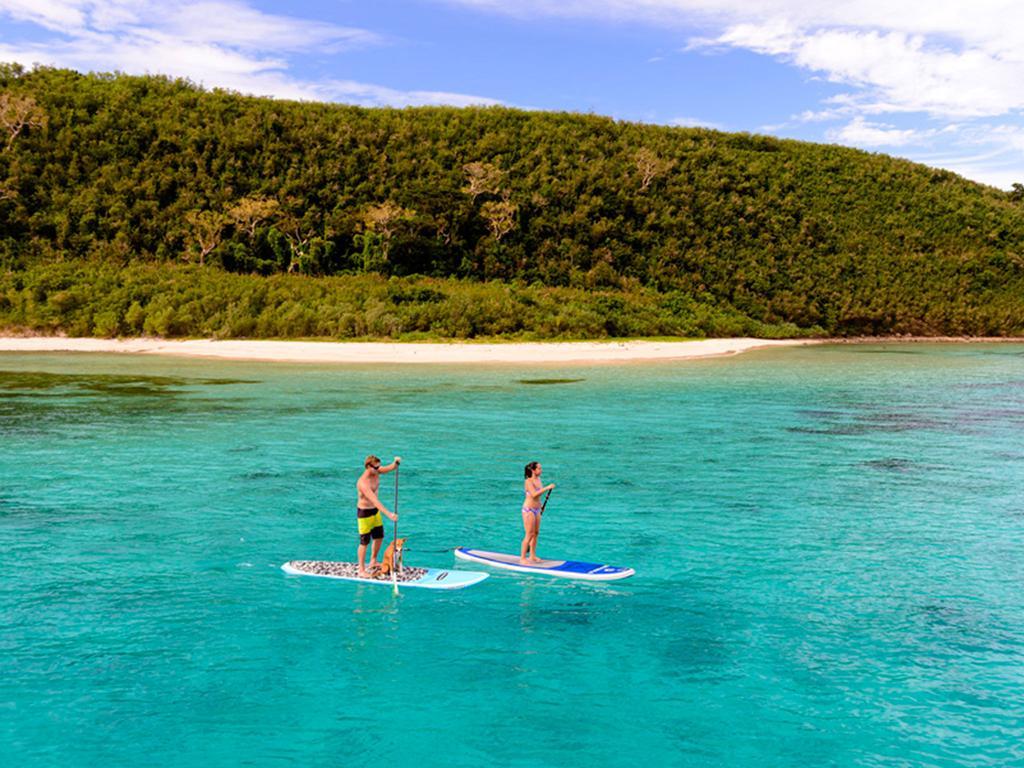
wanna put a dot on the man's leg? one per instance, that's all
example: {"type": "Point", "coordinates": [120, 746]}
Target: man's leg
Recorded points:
{"type": "Point", "coordinates": [364, 541]}
{"type": "Point", "coordinates": [376, 551]}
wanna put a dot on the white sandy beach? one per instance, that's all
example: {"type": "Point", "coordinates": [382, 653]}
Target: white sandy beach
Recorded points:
{"type": "Point", "coordinates": [379, 352]}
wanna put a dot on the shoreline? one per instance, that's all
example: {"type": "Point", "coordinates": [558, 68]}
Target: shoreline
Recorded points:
{"type": "Point", "coordinates": [447, 352]}
{"type": "Point", "coordinates": [372, 352]}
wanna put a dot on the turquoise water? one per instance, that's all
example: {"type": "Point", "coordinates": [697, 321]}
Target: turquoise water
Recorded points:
{"type": "Point", "coordinates": [829, 545]}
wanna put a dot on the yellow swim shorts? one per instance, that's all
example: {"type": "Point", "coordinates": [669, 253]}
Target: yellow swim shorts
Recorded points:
{"type": "Point", "coordinates": [367, 524]}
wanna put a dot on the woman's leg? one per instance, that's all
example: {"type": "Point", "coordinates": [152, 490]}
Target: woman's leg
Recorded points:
{"type": "Point", "coordinates": [527, 536]}
{"type": "Point", "coordinates": [533, 539]}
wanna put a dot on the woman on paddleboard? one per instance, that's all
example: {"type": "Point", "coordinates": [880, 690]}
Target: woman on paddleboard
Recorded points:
{"type": "Point", "coordinates": [532, 509]}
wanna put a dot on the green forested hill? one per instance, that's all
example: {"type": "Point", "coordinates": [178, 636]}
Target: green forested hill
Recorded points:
{"type": "Point", "coordinates": [145, 205]}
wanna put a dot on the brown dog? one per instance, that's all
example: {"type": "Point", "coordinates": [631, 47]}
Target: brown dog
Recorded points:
{"type": "Point", "coordinates": [392, 559]}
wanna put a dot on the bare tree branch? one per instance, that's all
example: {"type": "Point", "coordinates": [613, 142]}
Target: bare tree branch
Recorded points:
{"type": "Point", "coordinates": [481, 179]}
{"type": "Point", "coordinates": [501, 216]}
{"type": "Point", "coordinates": [18, 113]}
{"type": "Point", "coordinates": [249, 212]}
{"type": "Point", "coordinates": [207, 230]}
{"type": "Point", "coordinates": [650, 166]}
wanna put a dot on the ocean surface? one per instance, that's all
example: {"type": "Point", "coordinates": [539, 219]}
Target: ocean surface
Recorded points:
{"type": "Point", "coordinates": [829, 546]}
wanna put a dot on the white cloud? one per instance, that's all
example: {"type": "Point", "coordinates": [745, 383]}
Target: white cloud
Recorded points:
{"type": "Point", "coordinates": [1010, 135]}
{"type": "Point", "coordinates": [694, 122]}
{"type": "Point", "coordinates": [375, 95]}
{"type": "Point", "coordinates": [820, 115]}
{"type": "Point", "coordinates": [936, 59]}
{"type": "Point", "coordinates": [982, 20]}
{"type": "Point", "coordinates": [860, 133]}
{"type": "Point", "coordinates": [223, 22]}
{"type": "Point", "coordinates": [249, 29]}
{"type": "Point", "coordinates": [984, 152]}
{"type": "Point", "coordinates": [981, 169]}
{"type": "Point", "coordinates": [51, 14]}
{"type": "Point", "coordinates": [936, 56]}
{"type": "Point", "coordinates": [217, 43]}
{"type": "Point", "coordinates": [895, 71]}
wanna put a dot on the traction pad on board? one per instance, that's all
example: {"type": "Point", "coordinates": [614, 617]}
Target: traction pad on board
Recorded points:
{"type": "Point", "coordinates": [351, 570]}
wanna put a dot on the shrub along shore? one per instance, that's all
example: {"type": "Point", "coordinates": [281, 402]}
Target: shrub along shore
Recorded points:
{"type": "Point", "coordinates": [170, 301]}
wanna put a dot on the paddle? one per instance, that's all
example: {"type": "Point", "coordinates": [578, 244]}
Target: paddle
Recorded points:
{"type": "Point", "coordinates": [544, 505]}
{"type": "Point", "coordinates": [394, 554]}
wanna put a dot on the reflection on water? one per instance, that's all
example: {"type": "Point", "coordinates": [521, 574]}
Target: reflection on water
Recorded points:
{"type": "Point", "coordinates": [549, 381]}
{"type": "Point", "coordinates": [891, 465]}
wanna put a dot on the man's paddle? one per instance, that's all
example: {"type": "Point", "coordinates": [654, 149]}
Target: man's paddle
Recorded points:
{"type": "Point", "coordinates": [394, 551]}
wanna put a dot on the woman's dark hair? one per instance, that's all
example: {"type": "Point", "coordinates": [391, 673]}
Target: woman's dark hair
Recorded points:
{"type": "Point", "coordinates": [530, 467]}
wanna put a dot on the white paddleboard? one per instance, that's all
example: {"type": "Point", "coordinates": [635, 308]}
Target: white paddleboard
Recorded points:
{"type": "Point", "coordinates": [565, 569]}
{"type": "Point", "coordinates": [424, 578]}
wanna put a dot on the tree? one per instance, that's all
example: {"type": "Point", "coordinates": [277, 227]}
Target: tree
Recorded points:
{"type": "Point", "coordinates": [300, 233]}
{"type": "Point", "coordinates": [307, 233]}
{"type": "Point", "coordinates": [1017, 194]}
{"type": "Point", "coordinates": [380, 223]}
{"type": "Point", "coordinates": [249, 212]}
{"type": "Point", "coordinates": [18, 113]}
{"type": "Point", "coordinates": [207, 230]}
{"type": "Point", "coordinates": [649, 167]}
{"type": "Point", "coordinates": [482, 179]}
{"type": "Point", "coordinates": [500, 216]}
{"type": "Point", "coordinates": [385, 218]}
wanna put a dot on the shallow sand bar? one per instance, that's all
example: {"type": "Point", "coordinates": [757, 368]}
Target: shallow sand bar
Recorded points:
{"type": "Point", "coordinates": [381, 352]}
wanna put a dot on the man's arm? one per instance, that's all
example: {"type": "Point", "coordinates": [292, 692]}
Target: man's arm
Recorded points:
{"type": "Point", "coordinates": [369, 495]}
{"type": "Point", "coordinates": [392, 466]}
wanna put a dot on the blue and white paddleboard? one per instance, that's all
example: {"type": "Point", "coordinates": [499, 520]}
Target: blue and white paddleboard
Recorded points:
{"type": "Point", "coordinates": [566, 569]}
{"type": "Point", "coordinates": [424, 578]}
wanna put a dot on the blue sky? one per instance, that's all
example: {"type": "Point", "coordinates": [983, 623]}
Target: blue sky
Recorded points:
{"type": "Point", "coordinates": [936, 81]}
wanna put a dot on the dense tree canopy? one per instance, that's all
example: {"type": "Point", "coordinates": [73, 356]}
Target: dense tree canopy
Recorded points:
{"type": "Point", "coordinates": [111, 172]}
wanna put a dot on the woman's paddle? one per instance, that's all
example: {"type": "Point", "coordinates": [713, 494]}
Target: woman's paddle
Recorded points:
{"type": "Point", "coordinates": [545, 504]}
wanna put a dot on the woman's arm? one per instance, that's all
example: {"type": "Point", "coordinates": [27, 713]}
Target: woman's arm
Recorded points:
{"type": "Point", "coordinates": [536, 492]}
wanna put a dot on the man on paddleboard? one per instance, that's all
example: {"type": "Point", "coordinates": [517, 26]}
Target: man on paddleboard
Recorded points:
{"type": "Point", "coordinates": [369, 509]}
